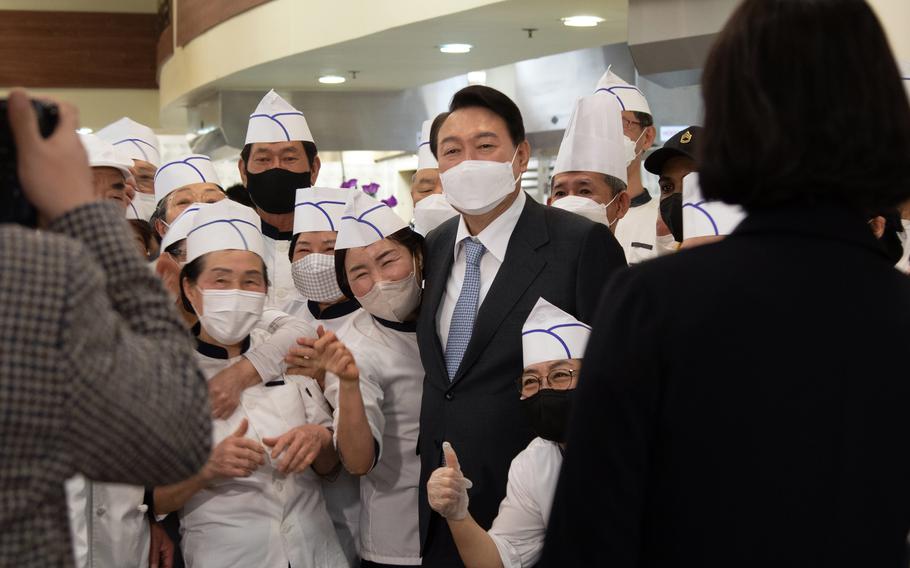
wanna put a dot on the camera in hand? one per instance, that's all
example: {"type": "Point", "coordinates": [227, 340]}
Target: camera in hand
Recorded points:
{"type": "Point", "coordinates": [14, 206]}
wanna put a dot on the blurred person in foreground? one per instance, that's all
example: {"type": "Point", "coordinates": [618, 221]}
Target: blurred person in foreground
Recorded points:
{"type": "Point", "coordinates": [96, 372]}
{"type": "Point", "coordinates": [770, 427]}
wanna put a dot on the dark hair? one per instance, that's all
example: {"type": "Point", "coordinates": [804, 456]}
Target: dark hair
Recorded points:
{"type": "Point", "coordinates": [192, 270]}
{"type": "Point", "coordinates": [142, 228]}
{"type": "Point", "coordinates": [239, 194]}
{"type": "Point", "coordinates": [308, 147]}
{"type": "Point", "coordinates": [804, 104]}
{"type": "Point", "coordinates": [410, 239]}
{"type": "Point", "coordinates": [490, 99]}
{"type": "Point", "coordinates": [644, 118]}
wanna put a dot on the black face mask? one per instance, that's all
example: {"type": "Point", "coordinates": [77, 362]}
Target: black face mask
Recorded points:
{"type": "Point", "coordinates": [274, 190]}
{"type": "Point", "coordinates": [671, 213]}
{"type": "Point", "coordinates": [548, 411]}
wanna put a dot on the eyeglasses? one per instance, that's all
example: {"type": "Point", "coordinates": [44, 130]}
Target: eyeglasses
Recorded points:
{"type": "Point", "coordinates": [627, 124]}
{"type": "Point", "coordinates": [557, 379]}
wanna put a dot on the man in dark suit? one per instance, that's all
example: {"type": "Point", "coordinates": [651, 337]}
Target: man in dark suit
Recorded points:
{"type": "Point", "coordinates": [485, 270]}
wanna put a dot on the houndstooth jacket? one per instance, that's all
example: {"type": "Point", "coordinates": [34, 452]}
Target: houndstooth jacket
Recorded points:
{"type": "Point", "coordinates": [96, 376]}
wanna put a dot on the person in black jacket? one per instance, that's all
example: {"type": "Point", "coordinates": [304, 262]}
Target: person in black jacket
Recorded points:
{"type": "Point", "coordinates": [485, 270]}
{"type": "Point", "coordinates": [769, 427]}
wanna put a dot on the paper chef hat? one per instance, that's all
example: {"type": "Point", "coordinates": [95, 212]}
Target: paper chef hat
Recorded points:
{"type": "Point", "coordinates": [181, 226]}
{"type": "Point", "coordinates": [194, 168]}
{"type": "Point", "coordinates": [225, 225]}
{"type": "Point", "coordinates": [550, 334]}
{"type": "Point", "coordinates": [706, 218]}
{"type": "Point", "coordinates": [135, 140]}
{"type": "Point", "coordinates": [593, 141]}
{"type": "Point", "coordinates": [103, 154]}
{"type": "Point", "coordinates": [630, 97]}
{"type": "Point", "coordinates": [425, 158]}
{"type": "Point", "coordinates": [319, 208]}
{"type": "Point", "coordinates": [366, 221]}
{"type": "Point", "coordinates": [275, 120]}
{"type": "Point", "coordinates": [431, 212]}
{"type": "Point", "coordinates": [583, 206]}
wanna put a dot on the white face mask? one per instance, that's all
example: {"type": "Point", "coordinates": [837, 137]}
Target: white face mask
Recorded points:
{"type": "Point", "coordinates": [142, 206]}
{"type": "Point", "coordinates": [431, 212]}
{"type": "Point", "coordinates": [314, 277]}
{"type": "Point", "coordinates": [392, 301]}
{"type": "Point", "coordinates": [229, 315]}
{"type": "Point", "coordinates": [629, 148]}
{"type": "Point", "coordinates": [586, 207]}
{"type": "Point", "coordinates": [475, 187]}
{"type": "Point", "coordinates": [665, 244]}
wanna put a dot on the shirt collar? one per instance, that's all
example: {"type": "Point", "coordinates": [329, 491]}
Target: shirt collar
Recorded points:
{"type": "Point", "coordinates": [334, 311]}
{"type": "Point", "coordinates": [215, 351]}
{"type": "Point", "coordinates": [495, 237]}
{"type": "Point", "coordinates": [272, 232]}
{"type": "Point", "coordinates": [405, 326]}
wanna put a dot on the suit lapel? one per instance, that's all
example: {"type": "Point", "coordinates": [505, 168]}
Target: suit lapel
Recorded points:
{"type": "Point", "coordinates": [442, 257]}
{"type": "Point", "coordinates": [519, 269]}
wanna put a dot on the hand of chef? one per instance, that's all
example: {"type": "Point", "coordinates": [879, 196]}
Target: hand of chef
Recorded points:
{"type": "Point", "coordinates": [161, 547]}
{"type": "Point", "coordinates": [227, 386]}
{"type": "Point", "coordinates": [54, 171]}
{"type": "Point", "coordinates": [447, 488]}
{"type": "Point", "coordinates": [235, 456]}
{"type": "Point", "coordinates": [335, 356]}
{"type": "Point", "coordinates": [303, 359]}
{"type": "Point", "coordinates": [299, 447]}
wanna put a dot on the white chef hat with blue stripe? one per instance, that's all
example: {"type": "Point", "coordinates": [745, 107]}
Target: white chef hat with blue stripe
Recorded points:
{"type": "Point", "coordinates": [319, 208]}
{"type": "Point", "coordinates": [702, 218]}
{"type": "Point", "coordinates": [425, 157]}
{"type": "Point", "coordinates": [630, 97]}
{"type": "Point", "coordinates": [181, 225]}
{"type": "Point", "coordinates": [593, 141]}
{"type": "Point", "coordinates": [225, 225]}
{"type": "Point", "coordinates": [275, 120]}
{"type": "Point", "coordinates": [366, 221]}
{"type": "Point", "coordinates": [183, 171]}
{"type": "Point", "coordinates": [137, 141]}
{"type": "Point", "coordinates": [550, 334]}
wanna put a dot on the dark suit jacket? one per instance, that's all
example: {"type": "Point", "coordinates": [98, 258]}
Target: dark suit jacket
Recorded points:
{"type": "Point", "coordinates": [745, 404]}
{"type": "Point", "coordinates": [552, 254]}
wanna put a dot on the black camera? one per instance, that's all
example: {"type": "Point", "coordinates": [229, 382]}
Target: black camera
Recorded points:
{"type": "Point", "coordinates": [14, 207]}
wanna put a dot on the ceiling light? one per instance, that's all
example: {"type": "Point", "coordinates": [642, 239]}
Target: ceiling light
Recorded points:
{"type": "Point", "coordinates": [455, 47]}
{"type": "Point", "coordinates": [582, 21]}
{"type": "Point", "coordinates": [477, 78]}
{"type": "Point", "coordinates": [332, 79]}
{"type": "Point", "coordinates": [84, 130]}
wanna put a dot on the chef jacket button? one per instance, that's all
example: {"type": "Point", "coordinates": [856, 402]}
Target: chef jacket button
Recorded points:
{"type": "Point", "coordinates": [142, 508]}
{"type": "Point", "coordinates": [449, 396]}
{"type": "Point", "coordinates": [100, 511]}
{"type": "Point", "coordinates": [282, 293]}
{"type": "Point", "coordinates": [279, 485]}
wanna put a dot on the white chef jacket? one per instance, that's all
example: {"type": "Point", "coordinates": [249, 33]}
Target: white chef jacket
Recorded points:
{"type": "Point", "coordinates": [519, 529]}
{"type": "Point", "coordinates": [278, 265]}
{"type": "Point", "coordinates": [269, 519]}
{"type": "Point", "coordinates": [391, 384]}
{"type": "Point", "coordinates": [108, 524]}
{"type": "Point", "coordinates": [637, 231]}
{"type": "Point", "coordinates": [342, 495]}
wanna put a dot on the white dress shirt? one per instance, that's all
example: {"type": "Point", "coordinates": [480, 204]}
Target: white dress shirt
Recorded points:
{"type": "Point", "coordinates": [495, 238]}
{"type": "Point", "coordinates": [268, 519]}
{"type": "Point", "coordinates": [519, 529]}
{"type": "Point", "coordinates": [391, 386]}
{"type": "Point", "coordinates": [637, 231]}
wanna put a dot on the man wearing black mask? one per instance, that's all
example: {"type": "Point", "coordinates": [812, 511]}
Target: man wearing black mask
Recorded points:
{"type": "Point", "coordinates": [674, 161]}
{"type": "Point", "coordinates": [278, 158]}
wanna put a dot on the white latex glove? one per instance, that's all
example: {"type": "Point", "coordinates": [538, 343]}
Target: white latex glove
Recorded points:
{"type": "Point", "coordinates": [447, 488]}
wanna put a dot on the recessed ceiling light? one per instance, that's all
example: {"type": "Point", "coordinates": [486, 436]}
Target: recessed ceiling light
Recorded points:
{"type": "Point", "coordinates": [84, 130]}
{"type": "Point", "coordinates": [455, 47]}
{"type": "Point", "coordinates": [332, 79]}
{"type": "Point", "coordinates": [477, 77]}
{"type": "Point", "coordinates": [582, 21]}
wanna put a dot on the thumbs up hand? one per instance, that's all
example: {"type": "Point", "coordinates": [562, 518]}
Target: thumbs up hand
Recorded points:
{"type": "Point", "coordinates": [235, 456]}
{"type": "Point", "coordinates": [447, 488]}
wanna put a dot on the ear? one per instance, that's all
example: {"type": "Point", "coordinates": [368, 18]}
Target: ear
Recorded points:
{"type": "Point", "coordinates": [314, 170]}
{"type": "Point", "coordinates": [877, 224]}
{"type": "Point", "coordinates": [192, 294]}
{"type": "Point", "coordinates": [524, 156]}
{"type": "Point", "coordinates": [160, 228]}
{"type": "Point", "coordinates": [242, 167]}
{"type": "Point", "coordinates": [649, 136]}
{"type": "Point", "coordinates": [623, 203]}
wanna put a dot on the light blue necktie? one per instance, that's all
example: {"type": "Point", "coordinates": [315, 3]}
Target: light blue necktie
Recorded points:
{"type": "Point", "coordinates": [462, 324]}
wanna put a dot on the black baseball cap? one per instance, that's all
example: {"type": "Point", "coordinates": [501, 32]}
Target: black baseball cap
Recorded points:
{"type": "Point", "coordinates": [684, 143]}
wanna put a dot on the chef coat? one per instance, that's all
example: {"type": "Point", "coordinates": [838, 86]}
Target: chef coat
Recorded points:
{"type": "Point", "coordinates": [342, 495]}
{"type": "Point", "coordinates": [278, 265]}
{"type": "Point", "coordinates": [519, 529]}
{"type": "Point", "coordinates": [637, 230]}
{"type": "Point", "coordinates": [391, 384]}
{"type": "Point", "coordinates": [269, 519]}
{"type": "Point", "coordinates": [108, 524]}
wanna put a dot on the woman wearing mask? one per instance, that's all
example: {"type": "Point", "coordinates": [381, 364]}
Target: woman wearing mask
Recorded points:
{"type": "Point", "coordinates": [376, 392]}
{"type": "Point", "coordinates": [257, 501]}
{"type": "Point", "coordinates": [553, 343]}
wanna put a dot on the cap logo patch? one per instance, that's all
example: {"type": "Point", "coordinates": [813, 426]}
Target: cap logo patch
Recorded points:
{"type": "Point", "coordinates": [686, 138]}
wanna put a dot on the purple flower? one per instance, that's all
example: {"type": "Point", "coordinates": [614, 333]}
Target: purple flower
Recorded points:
{"type": "Point", "coordinates": [370, 188]}
{"type": "Point", "coordinates": [391, 201]}
{"type": "Point", "coordinates": [349, 184]}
